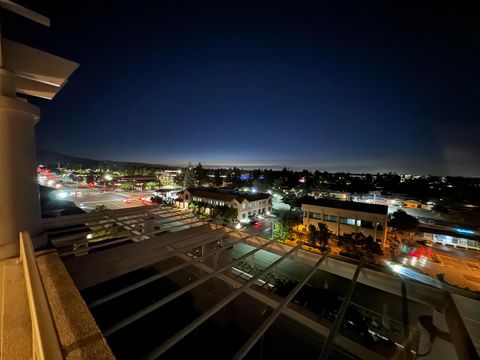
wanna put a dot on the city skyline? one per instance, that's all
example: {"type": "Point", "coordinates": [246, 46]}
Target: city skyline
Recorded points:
{"type": "Point", "coordinates": [336, 88]}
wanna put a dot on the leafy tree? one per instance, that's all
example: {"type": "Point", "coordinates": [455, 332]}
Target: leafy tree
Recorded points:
{"type": "Point", "coordinates": [193, 205]}
{"type": "Point", "coordinates": [370, 248]}
{"type": "Point", "coordinates": [358, 246]}
{"type": "Point", "coordinates": [189, 180]}
{"type": "Point", "coordinates": [127, 186]}
{"type": "Point", "coordinates": [217, 180]}
{"type": "Point", "coordinates": [401, 221]}
{"type": "Point", "coordinates": [151, 185]}
{"type": "Point", "coordinates": [226, 213]}
{"type": "Point", "coordinates": [284, 226]}
{"type": "Point", "coordinates": [318, 238]}
{"type": "Point", "coordinates": [201, 175]}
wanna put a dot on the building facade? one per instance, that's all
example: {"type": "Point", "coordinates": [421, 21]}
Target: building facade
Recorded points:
{"type": "Point", "coordinates": [346, 217]}
{"type": "Point", "coordinates": [248, 205]}
{"type": "Point", "coordinates": [168, 177]}
{"type": "Point", "coordinates": [454, 237]}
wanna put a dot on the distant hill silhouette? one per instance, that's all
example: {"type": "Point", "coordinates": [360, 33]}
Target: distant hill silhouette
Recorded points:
{"type": "Point", "coordinates": [52, 158]}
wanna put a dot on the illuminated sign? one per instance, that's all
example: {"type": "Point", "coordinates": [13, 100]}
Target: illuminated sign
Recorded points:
{"type": "Point", "coordinates": [465, 231]}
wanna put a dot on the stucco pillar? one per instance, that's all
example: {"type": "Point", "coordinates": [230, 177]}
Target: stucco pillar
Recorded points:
{"type": "Point", "coordinates": [19, 191]}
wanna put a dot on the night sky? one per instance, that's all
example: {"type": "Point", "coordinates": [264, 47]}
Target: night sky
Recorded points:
{"type": "Point", "coordinates": [336, 86]}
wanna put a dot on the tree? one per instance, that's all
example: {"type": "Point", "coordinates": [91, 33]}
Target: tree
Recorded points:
{"type": "Point", "coordinates": [189, 180]}
{"type": "Point", "coordinates": [359, 246]}
{"type": "Point", "coordinates": [323, 235]}
{"type": "Point", "coordinates": [401, 221]}
{"type": "Point", "coordinates": [151, 185]}
{"type": "Point", "coordinates": [370, 248]}
{"type": "Point", "coordinates": [127, 186]}
{"type": "Point", "coordinates": [292, 200]}
{"type": "Point", "coordinates": [201, 175]}
{"type": "Point", "coordinates": [318, 238]}
{"type": "Point", "coordinates": [217, 179]}
{"type": "Point", "coordinates": [284, 226]}
{"type": "Point", "coordinates": [226, 213]}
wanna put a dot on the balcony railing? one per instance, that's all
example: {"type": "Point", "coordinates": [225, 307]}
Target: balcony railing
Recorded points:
{"type": "Point", "coordinates": [45, 342]}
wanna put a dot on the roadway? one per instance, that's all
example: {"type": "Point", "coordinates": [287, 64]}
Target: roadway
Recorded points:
{"type": "Point", "coordinates": [90, 198]}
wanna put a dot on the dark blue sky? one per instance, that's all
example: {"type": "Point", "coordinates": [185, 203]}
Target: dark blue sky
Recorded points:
{"type": "Point", "coordinates": [335, 86]}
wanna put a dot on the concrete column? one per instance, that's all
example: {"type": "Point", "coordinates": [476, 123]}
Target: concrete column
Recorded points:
{"type": "Point", "coordinates": [19, 192]}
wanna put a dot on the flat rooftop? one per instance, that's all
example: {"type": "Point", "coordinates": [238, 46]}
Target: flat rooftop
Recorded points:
{"type": "Point", "coordinates": [348, 205]}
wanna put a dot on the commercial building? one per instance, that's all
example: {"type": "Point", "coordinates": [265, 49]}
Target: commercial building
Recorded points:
{"type": "Point", "coordinates": [345, 217]}
{"type": "Point", "coordinates": [168, 177]}
{"type": "Point", "coordinates": [449, 236]}
{"type": "Point", "coordinates": [247, 204]}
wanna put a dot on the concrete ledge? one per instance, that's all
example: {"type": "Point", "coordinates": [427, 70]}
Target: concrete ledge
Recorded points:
{"type": "Point", "coordinates": [16, 325]}
{"type": "Point", "coordinates": [79, 335]}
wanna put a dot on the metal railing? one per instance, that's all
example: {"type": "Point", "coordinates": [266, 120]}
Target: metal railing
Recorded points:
{"type": "Point", "coordinates": [45, 342]}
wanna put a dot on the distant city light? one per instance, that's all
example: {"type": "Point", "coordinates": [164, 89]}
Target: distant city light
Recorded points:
{"type": "Point", "coordinates": [465, 231]}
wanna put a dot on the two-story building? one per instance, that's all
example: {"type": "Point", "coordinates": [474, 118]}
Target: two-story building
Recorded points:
{"type": "Point", "coordinates": [248, 205]}
{"type": "Point", "coordinates": [345, 217]}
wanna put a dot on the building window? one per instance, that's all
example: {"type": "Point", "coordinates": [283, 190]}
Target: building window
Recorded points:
{"type": "Point", "coordinates": [472, 243]}
{"type": "Point", "coordinates": [331, 218]}
{"type": "Point", "coordinates": [350, 221]}
{"type": "Point", "coordinates": [316, 216]}
{"type": "Point", "coordinates": [365, 224]}
{"type": "Point", "coordinates": [347, 221]}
